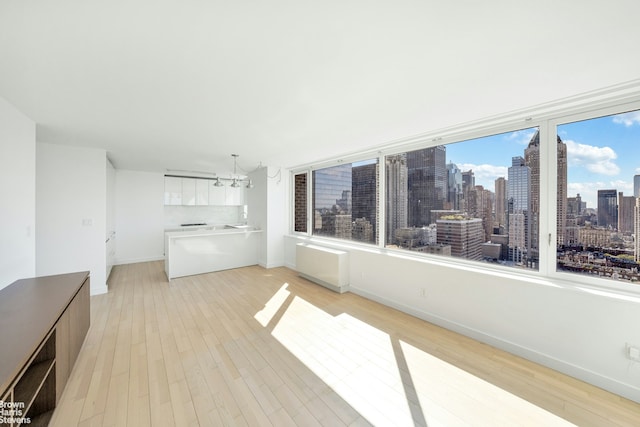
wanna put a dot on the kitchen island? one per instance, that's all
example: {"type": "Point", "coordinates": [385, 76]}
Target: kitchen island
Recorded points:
{"type": "Point", "coordinates": [206, 250]}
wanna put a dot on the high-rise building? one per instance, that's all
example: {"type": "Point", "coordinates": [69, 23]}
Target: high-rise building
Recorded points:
{"type": "Point", "coordinates": [468, 184]}
{"type": "Point", "coordinates": [608, 208]}
{"type": "Point", "coordinates": [336, 225]}
{"type": "Point", "coordinates": [636, 186]}
{"type": "Point", "coordinates": [519, 210]}
{"type": "Point", "coordinates": [363, 230]}
{"type": "Point", "coordinates": [468, 180]}
{"type": "Point", "coordinates": [397, 195]}
{"type": "Point", "coordinates": [463, 234]}
{"type": "Point", "coordinates": [501, 200]}
{"type": "Point", "coordinates": [574, 212]}
{"type": "Point", "coordinates": [427, 183]}
{"type": "Point", "coordinates": [626, 207]}
{"type": "Point", "coordinates": [364, 195]}
{"type": "Point", "coordinates": [574, 205]}
{"type": "Point", "coordinates": [532, 159]}
{"type": "Point", "coordinates": [483, 209]}
{"type": "Point", "coordinates": [344, 203]}
{"type": "Point", "coordinates": [636, 230]}
{"type": "Point", "coordinates": [454, 186]}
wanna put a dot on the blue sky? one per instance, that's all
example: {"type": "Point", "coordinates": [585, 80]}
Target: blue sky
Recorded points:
{"type": "Point", "coordinates": [602, 153]}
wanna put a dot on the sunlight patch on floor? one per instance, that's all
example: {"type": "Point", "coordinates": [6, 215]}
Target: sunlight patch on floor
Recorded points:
{"type": "Point", "coordinates": [272, 306]}
{"type": "Point", "coordinates": [366, 368]}
{"type": "Point", "coordinates": [452, 396]}
{"type": "Point", "coordinates": [354, 359]}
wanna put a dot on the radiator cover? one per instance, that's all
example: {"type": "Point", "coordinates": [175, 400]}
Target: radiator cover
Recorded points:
{"type": "Point", "coordinates": [325, 266]}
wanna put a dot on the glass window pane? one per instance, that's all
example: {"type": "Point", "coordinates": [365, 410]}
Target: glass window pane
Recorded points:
{"type": "Point", "coordinates": [601, 214]}
{"type": "Point", "coordinates": [300, 203]}
{"type": "Point", "coordinates": [476, 199]}
{"type": "Point", "coordinates": [345, 201]}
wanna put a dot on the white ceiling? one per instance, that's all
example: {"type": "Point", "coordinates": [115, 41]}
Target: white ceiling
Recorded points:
{"type": "Point", "coordinates": [170, 84]}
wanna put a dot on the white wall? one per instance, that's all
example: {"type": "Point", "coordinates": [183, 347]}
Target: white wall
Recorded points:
{"type": "Point", "coordinates": [110, 229]}
{"type": "Point", "coordinates": [267, 204]}
{"type": "Point", "coordinates": [17, 195]}
{"type": "Point", "coordinates": [71, 212]}
{"type": "Point", "coordinates": [576, 331]}
{"type": "Point", "coordinates": [139, 216]}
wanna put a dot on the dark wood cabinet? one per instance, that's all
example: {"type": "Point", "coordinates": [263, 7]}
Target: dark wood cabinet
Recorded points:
{"type": "Point", "coordinates": [43, 323]}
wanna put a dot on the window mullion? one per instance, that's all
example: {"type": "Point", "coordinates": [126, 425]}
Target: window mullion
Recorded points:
{"type": "Point", "coordinates": [548, 208]}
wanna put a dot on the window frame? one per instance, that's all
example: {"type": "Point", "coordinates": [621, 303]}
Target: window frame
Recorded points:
{"type": "Point", "coordinates": [546, 118]}
{"type": "Point", "coordinates": [565, 276]}
{"type": "Point", "coordinates": [310, 202]}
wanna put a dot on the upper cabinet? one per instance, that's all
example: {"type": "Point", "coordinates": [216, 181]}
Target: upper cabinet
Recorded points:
{"type": "Point", "coordinates": [217, 194]}
{"type": "Point", "coordinates": [172, 190]}
{"type": "Point", "coordinates": [183, 191]}
{"type": "Point", "coordinates": [202, 192]}
{"type": "Point", "coordinates": [188, 191]}
{"type": "Point", "coordinates": [234, 195]}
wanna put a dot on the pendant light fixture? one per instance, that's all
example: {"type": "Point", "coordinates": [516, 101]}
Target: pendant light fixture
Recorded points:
{"type": "Point", "coordinates": [235, 184]}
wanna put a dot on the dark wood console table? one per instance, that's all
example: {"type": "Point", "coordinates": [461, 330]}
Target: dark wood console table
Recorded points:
{"type": "Point", "coordinates": [43, 323]}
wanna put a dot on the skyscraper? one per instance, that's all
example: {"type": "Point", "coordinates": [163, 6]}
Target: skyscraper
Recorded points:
{"type": "Point", "coordinates": [364, 194]}
{"type": "Point", "coordinates": [636, 230]}
{"type": "Point", "coordinates": [574, 211]}
{"type": "Point", "coordinates": [397, 195]}
{"type": "Point", "coordinates": [427, 184]}
{"type": "Point", "coordinates": [636, 186]}
{"type": "Point", "coordinates": [454, 186]}
{"type": "Point", "coordinates": [501, 200]}
{"type": "Point", "coordinates": [532, 159]}
{"type": "Point", "coordinates": [608, 209]}
{"type": "Point", "coordinates": [626, 206]}
{"type": "Point", "coordinates": [519, 197]}
{"type": "Point", "coordinates": [468, 184]}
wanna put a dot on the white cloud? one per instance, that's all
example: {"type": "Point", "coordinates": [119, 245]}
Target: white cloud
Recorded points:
{"type": "Point", "coordinates": [627, 119]}
{"type": "Point", "coordinates": [485, 175]}
{"type": "Point", "coordinates": [522, 137]}
{"type": "Point", "coordinates": [625, 186]}
{"type": "Point", "coordinates": [589, 190]}
{"type": "Point", "coordinates": [600, 160]}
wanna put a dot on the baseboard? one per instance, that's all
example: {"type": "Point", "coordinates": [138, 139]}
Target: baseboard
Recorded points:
{"type": "Point", "coordinates": [267, 265]}
{"type": "Point", "coordinates": [137, 260]}
{"type": "Point", "coordinates": [98, 290]}
{"type": "Point", "coordinates": [331, 286]}
{"type": "Point", "coordinates": [614, 386]}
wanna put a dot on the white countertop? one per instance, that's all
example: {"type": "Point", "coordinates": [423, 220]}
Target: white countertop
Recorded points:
{"type": "Point", "coordinates": [210, 231]}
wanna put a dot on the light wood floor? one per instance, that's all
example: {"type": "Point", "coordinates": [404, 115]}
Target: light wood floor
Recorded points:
{"type": "Point", "coordinates": [253, 347]}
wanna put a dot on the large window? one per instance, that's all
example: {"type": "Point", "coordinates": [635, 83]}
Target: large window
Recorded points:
{"type": "Point", "coordinates": [345, 201]}
{"type": "Point", "coordinates": [498, 199]}
{"type": "Point", "coordinates": [600, 215]}
{"type": "Point", "coordinates": [476, 199]}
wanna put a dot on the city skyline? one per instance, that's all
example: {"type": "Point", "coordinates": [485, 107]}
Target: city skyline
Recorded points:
{"type": "Point", "coordinates": [598, 155]}
{"type": "Point", "coordinates": [435, 203]}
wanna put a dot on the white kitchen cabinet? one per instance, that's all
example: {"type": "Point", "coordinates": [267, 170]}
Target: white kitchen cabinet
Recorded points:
{"type": "Point", "coordinates": [189, 191]}
{"type": "Point", "coordinates": [235, 195]}
{"type": "Point", "coordinates": [202, 192]}
{"type": "Point", "coordinates": [172, 190]}
{"type": "Point", "coordinates": [195, 192]}
{"type": "Point", "coordinates": [183, 191]}
{"type": "Point", "coordinates": [217, 195]}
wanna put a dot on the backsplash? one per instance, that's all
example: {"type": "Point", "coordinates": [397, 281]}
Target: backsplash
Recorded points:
{"type": "Point", "coordinates": [216, 215]}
